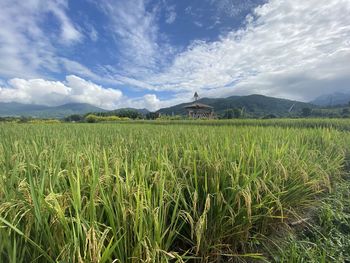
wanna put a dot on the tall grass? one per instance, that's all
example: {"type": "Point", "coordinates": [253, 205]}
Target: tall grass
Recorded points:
{"type": "Point", "coordinates": [149, 193]}
{"type": "Point", "coordinates": [338, 124]}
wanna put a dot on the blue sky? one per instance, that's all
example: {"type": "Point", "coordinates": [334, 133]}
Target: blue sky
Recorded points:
{"type": "Point", "coordinates": [156, 53]}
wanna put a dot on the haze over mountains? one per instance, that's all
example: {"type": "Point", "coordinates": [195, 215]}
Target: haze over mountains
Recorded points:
{"type": "Point", "coordinates": [257, 105]}
{"type": "Point", "coordinates": [41, 111]}
{"type": "Point", "coordinates": [333, 99]}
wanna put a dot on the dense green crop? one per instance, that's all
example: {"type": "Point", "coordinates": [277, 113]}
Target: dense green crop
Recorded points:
{"type": "Point", "coordinates": [158, 193]}
{"type": "Point", "coordinates": [338, 124]}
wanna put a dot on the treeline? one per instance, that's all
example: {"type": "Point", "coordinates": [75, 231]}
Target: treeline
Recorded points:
{"type": "Point", "coordinates": [231, 113]}
{"type": "Point", "coordinates": [27, 120]}
{"type": "Point", "coordinates": [306, 112]}
{"type": "Point", "coordinates": [117, 115]}
{"type": "Point", "coordinates": [333, 112]}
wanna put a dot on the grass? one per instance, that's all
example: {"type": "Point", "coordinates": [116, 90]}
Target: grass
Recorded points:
{"type": "Point", "coordinates": [167, 193]}
{"type": "Point", "coordinates": [338, 124]}
{"type": "Point", "coordinates": [324, 239]}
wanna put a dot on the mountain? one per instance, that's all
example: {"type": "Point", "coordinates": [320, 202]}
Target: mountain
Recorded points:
{"type": "Point", "coordinates": [67, 109]}
{"type": "Point", "coordinates": [17, 109]}
{"type": "Point", "coordinates": [334, 99]}
{"type": "Point", "coordinates": [41, 111]}
{"type": "Point", "coordinates": [254, 105]}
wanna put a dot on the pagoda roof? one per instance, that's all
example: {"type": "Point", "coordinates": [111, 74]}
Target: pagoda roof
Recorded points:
{"type": "Point", "coordinates": [197, 105]}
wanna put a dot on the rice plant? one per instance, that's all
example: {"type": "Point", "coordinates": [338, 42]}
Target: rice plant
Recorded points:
{"type": "Point", "coordinates": [138, 192]}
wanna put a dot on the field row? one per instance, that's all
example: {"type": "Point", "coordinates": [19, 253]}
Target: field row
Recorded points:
{"type": "Point", "coordinates": [338, 124]}
{"type": "Point", "coordinates": [159, 193]}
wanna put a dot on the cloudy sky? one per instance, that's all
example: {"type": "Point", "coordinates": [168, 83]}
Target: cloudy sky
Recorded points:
{"type": "Point", "coordinates": [156, 53]}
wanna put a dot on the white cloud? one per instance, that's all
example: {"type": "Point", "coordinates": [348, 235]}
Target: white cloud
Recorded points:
{"type": "Point", "coordinates": [77, 68]}
{"type": "Point", "coordinates": [142, 49]}
{"type": "Point", "coordinates": [93, 34]}
{"type": "Point", "coordinates": [232, 7]}
{"type": "Point", "coordinates": [152, 102]}
{"type": "Point", "coordinates": [76, 90]}
{"type": "Point", "coordinates": [148, 101]}
{"type": "Point", "coordinates": [25, 49]}
{"type": "Point", "coordinates": [89, 92]}
{"type": "Point", "coordinates": [69, 33]}
{"type": "Point", "coordinates": [170, 14]}
{"type": "Point", "coordinates": [135, 31]}
{"type": "Point", "coordinates": [52, 93]}
{"type": "Point", "coordinates": [171, 18]}
{"type": "Point", "coordinates": [297, 49]}
{"type": "Point", "coordinates": [293, 48]}
{"type": "Point", "coordinates": [197, 23]}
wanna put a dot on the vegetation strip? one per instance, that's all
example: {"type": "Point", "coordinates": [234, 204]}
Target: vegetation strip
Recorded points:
{"type": "Point", "coordinates": [179, 193]}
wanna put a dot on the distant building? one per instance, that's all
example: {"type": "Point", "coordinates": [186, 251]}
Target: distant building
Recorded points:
{"type": "Point", "coordinates": [198, 110]}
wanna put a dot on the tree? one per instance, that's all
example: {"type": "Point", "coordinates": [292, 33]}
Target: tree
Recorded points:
{"type": "Point", "coordinates": [152, 115]}
{"type": "Point", "coordinates": [269, 116]}
{"type": "Point", "coordinates": [24, 119]}
{"type": "Point", "coordinates": [228, 114]}
{"type": "Point", "coordinates": [74, 118]}
{"type": "Point", "coordinates": [305, 112]}
{"type": "Point", "coordinates": [237, 113]}
{"type": "Point", "coordinates": [91, 118]}
{"type": "Point", "coordinates": [232, 113]}
{"type": "Point", "coordinates": [345, 112]}
{"type": "Point", "coordinates": [128, 113]}
{"type": "Point", "coordinates": [122, 113]}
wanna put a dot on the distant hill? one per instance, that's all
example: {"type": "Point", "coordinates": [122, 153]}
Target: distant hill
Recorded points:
{"type": "Point", "coordinates": [18, 109]}
{"type": "Point", "coordinates": [334, 99]}
{"type": "Point", "coordinates": [254, 105]}
{"type": "Point", "coordinates": [41, 111]}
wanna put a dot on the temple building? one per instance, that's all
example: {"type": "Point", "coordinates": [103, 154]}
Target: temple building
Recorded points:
{"type": "Point", "coordinates": [198, 110]}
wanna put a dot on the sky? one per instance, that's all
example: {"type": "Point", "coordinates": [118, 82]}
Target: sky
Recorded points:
{"type": "Point", "coordinates": [157, 53]}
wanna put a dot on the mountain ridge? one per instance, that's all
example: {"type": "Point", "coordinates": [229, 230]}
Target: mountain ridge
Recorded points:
{"type": "Point", "coordinates": [332, 99]}
{"type": "Point", "coordinates": [255, 104]}
{"type": "Point", "coordinates": [15, 109]}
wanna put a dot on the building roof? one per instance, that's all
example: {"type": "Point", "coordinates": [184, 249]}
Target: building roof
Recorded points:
{"type": "Point", "coordinates": [197, 105]}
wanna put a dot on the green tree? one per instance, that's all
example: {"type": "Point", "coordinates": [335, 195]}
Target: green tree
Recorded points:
{"type": "Point", "coordinates": [306, 112]}
{"type": "Point", "coordinates": [24, 119]}
{"type": "Point", "coordinates": [269, 116]}
{"type": "Point", "coordinates": [345, 113]}
{"type": "Point", "coordinates": [74, 118]}
{"type": "Point", "coordinates": [228, 114]}
{"type": "Point", "coordinates": [237, 113]}
{"type": "Point", "coordinates": [91, 118]}
{"type": "Point", "coordinates": [232, 113]}
{"type": "Point", "coordinates": [152, 115]}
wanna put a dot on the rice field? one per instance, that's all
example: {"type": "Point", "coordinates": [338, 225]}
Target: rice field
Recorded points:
{"type": "Point", "coordinates": [186, 192]}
